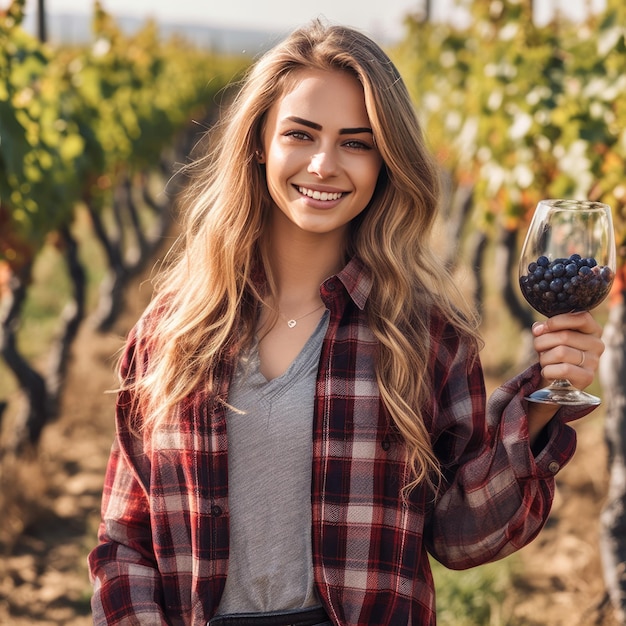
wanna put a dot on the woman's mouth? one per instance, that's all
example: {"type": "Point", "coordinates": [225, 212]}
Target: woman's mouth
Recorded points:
{"type": "Point", "coordinates": [319, 195]}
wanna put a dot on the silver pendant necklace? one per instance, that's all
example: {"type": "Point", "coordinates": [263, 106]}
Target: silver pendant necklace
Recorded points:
{"type": "Point", "coordinates": [294, 321]}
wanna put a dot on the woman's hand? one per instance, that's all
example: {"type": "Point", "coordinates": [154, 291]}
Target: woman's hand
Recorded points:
{"type": "Point", "coordinates": [569, 346]}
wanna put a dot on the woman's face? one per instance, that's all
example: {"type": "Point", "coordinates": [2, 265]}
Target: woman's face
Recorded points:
{"type": "Point", "coordinates": [321, 160]}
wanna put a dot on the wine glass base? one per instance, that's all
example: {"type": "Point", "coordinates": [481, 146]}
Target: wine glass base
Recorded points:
{"type": "Point", "coordinates": [566, 397]}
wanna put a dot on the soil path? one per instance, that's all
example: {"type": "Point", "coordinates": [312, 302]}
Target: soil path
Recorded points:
{"type": "Point", "coordinates": [44, 577]}
{"type": "Point", "coordinates": [44, 580]}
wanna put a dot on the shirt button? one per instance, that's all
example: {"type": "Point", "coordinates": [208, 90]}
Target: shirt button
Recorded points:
{"type": "Point", "coordinates": [331, 285]}
{"type": "Point", "coordinates": [216, 510]}
{"type": "Point", "coordinates": [554, 467]}
{"type": "Point", "coordinates": [385, 444]}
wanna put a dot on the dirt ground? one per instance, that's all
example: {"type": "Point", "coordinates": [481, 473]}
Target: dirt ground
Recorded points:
{"type": "Point", "coordinates": [43, 574]}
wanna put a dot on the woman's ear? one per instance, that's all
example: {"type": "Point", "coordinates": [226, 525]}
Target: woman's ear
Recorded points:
{"type": "Point", "coordinates": [260, 157]}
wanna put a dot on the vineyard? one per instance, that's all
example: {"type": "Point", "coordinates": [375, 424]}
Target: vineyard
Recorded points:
{"type": "Point", "coordinates": [91, 144]}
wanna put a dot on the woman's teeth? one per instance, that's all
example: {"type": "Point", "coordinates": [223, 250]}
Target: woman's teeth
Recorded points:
{"type": "Point", "coordinates": [319, 195]}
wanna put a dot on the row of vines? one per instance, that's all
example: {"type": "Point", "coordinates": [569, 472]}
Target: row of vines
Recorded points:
{"type": "Point", "coordinates": [98, 129]}
{"type": "Point", "coordinates": [517, 113]}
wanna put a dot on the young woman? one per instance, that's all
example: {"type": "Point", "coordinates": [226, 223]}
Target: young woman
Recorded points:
{"type": "Point", "coordinates": [302, 413]}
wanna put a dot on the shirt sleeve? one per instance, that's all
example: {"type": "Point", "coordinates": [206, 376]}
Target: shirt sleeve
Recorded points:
{"type": "Point", "coordinates": [127, 584]}
{"type": "Point", "coordinates": [496, 493]}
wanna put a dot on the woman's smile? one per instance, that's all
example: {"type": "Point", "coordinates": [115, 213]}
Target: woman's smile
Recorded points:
{"type": "Point", "coordinates": [320, 195]}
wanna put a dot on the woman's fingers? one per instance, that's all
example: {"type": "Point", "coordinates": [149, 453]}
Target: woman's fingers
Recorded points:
{"type": "Point", "coordinates": [569, 346]}
{"type": "Point", "coordinates": [584, 322]}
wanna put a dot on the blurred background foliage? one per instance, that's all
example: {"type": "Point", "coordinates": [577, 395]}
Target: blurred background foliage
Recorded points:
{"type": "Point", "coordinates": [91, 135]}
{"type": "Point", "coordinates": [523, 112]}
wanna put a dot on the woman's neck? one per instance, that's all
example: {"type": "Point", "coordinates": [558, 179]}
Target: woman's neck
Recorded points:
{"type": "Point", "coordinates": [301, 263]}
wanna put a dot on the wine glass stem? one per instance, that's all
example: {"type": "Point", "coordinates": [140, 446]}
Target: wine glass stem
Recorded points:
{"type": "Point", "coordinates": [561, 383]}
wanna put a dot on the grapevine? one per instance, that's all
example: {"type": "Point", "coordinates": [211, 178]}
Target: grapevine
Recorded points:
{"type": "Point", "coordinates": [90, 128]}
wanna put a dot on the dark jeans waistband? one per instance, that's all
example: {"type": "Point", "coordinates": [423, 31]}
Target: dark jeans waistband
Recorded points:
{"type": "Point", "coordinates": [314, 616]}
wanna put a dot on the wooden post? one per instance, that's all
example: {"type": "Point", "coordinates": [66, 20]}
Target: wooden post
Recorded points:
{"type": "Point", "coordinates": [41, 21]}
{"type": "Point", "coordinates": [428, 10]}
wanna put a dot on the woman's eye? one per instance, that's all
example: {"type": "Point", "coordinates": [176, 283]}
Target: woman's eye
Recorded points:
{"type": "Point", "coordinates": [297, 134]}
{"type": "Point", "coordinates": [355, 144]}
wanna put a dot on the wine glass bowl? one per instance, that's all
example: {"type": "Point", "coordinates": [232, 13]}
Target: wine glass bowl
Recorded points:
{"type": "Point", "coordinates": [567, 264]}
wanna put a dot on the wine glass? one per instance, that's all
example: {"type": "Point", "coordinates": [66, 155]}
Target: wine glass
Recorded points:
{"type": "Point", "coordinates": [567, 264]}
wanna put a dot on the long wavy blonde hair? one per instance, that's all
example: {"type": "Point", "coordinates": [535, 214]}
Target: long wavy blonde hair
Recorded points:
{"type": "Point", "coordinates": [209, 298]}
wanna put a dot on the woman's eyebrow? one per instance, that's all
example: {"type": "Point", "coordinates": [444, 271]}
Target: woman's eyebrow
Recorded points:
{"type": "Point", "coordinates": [356, 131]}
{"type": "Point", "coordinates": [343, 131]}
{"type": "Point", "coordinates": [300, 120]}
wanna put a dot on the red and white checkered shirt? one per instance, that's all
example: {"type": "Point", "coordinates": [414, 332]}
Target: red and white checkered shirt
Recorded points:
{"type": "Point", "coordinates": [163, 546]}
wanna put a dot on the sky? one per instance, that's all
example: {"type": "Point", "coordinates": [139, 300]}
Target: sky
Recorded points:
{"type": "Point", "coordinates": [379, 18]}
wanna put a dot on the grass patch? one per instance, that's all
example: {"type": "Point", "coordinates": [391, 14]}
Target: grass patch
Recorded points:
{"type": "Point", "coordinates": [475, 597]}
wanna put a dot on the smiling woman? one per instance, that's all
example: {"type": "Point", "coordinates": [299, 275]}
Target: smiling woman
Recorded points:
{"type": "Point", "coordinates": [302, 416]}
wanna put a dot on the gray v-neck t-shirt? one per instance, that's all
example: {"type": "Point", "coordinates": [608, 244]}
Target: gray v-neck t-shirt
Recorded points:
{"type": "Point", "coordinates": [269, 482]}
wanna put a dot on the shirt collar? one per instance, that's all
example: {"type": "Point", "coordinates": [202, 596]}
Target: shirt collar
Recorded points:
{"type": "Point", "coordinates": [357, 280]}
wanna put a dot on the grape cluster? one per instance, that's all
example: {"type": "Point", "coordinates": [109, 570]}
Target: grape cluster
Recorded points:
{"type": "Point", "coordinates": [564, 285]}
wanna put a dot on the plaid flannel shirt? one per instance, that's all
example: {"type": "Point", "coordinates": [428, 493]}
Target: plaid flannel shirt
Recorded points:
{"type": "Point", "coordinates": [162, 556]}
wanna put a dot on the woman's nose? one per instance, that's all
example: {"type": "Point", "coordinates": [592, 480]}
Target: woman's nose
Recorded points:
{"type": "Point", "coordinates": [323, 164]}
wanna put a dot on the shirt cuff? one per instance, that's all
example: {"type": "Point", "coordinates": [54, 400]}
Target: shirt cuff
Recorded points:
{"type": "Point", "coordinates": [560, 445]}
{"type": "Point", "coordinates": [557, 442]}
